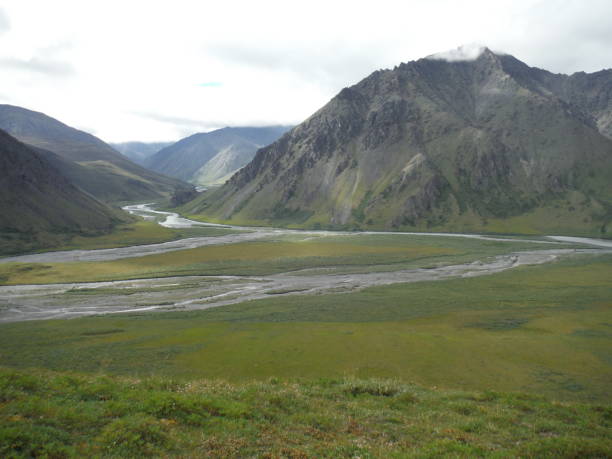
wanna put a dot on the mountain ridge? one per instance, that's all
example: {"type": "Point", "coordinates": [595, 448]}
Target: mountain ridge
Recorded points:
{"type": "Point", "coordinates": [90, 163]}
{"type": "Point", "coordinates": [189, 158]}
{"type": "Point", "coordinates": [139, 151]}
{"type": "Point", "coordinates": [463, 146]}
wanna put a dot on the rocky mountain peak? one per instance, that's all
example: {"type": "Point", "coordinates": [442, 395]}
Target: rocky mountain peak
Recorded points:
{"type": "Point", "coordinates": [458, 138]}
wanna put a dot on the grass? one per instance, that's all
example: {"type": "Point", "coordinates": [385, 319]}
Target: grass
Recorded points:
{"type": "Point", "coordinates": [137, 233]}
{"type": "Point", "coordinates": [140, 232]}
{"type": "Point", "coordinates": [48, 414]}
{"type": "Point", "coordinates": [543, 329]}
{"type": "Point", "coordinates": [352, 253]}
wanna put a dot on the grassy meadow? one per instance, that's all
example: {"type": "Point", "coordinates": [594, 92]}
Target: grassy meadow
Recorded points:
{"type": "Point", "coordinates": [284, 253]}
{"type": "Point", "coordinates": [136, 233]}
{"type": "Point", "coordinates": [139, 233]}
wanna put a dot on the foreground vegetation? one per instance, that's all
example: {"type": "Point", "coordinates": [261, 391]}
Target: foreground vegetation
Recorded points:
{"type": "Point", "coordinates": [46, 414]}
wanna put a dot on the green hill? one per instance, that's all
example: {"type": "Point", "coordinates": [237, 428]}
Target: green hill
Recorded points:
{"type": "Point", "coordinates": [39, 206]}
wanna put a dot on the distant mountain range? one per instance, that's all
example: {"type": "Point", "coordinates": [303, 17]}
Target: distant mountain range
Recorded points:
{"type": "Point", "coordinates": [211, 158]}
{"type": "Point", "coordinates": [139, 151]}
{"type": "Point", "coordinates": [488, 144]}
{"type": "Point", "coordinates": [85, 160]}
{"type": "Point", "coordinates": [39, 207]}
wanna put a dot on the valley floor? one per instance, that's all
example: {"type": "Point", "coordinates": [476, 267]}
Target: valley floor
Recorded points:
{"type": "Point", "coordinates": [365, 321]}
{"type": "Point", "coordinates": [243, 264]}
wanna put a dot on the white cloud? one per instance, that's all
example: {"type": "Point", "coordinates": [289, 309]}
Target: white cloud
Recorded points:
{"type": "Point", "coordinates": [37, 65]}
{"type": "Point", "coordinates": [5, 24]}
{"type": "Point", "coordinates": [134, 70]}
{"type": "Point", "coordinates": [469, 52]}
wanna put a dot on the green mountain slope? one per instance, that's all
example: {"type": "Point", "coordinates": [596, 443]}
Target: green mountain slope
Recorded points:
{"type": "Point", "coordinates": [483, 145]}
{"type": "Point", "coordinates": [39, 206]}
{"type": "Point", "coordinates": [212, 157]}
{"type": "Point", "coordinates": [88, 161]}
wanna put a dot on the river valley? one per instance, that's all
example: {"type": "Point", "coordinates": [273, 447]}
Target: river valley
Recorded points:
{"type": "Point", "coordinates": [67, 300]}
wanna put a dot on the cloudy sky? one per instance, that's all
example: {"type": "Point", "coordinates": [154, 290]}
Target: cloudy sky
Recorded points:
{"type": "Point", "coordinates": [149, 70]}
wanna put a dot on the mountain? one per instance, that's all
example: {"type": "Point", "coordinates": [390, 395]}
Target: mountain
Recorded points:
{"type": "Point", "coordinates": [86, 160]}
{"type": "Point", "coordinates": [488, 144]}
{"type": "Point", "coordinates": [39, 206]}
{"type": "Point", "coordinates": [139, 151]}
{"type": "Point", "coordinates": [212, 157]}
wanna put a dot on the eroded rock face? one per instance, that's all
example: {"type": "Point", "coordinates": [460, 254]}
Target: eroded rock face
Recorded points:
{"type": "Point", "coordinates": [433, 142]}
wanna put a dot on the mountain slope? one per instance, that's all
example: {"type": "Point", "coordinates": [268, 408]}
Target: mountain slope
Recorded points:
{"type": "Point", "coordinates": [188, 158]}
{"type": "Point", "coordinates": [39, 206]}
{"type": "Point", "coordinates": [139, 151]}
{"type": "Point", "coordinates": [225, 163]}
{"type": "Point", "coordinates": [483, 145]}
{"type": "Point", "coordinates": [102, 171]}
{"type": "Point", "coordinates": [589, 92]}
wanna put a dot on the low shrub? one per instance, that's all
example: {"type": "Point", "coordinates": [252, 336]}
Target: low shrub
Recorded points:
{"type": "Point", "coordinates": [135, 436]}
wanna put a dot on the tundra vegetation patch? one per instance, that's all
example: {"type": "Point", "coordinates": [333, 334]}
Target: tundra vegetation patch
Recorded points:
{"type": "Point", "coordinates": [49, 414]}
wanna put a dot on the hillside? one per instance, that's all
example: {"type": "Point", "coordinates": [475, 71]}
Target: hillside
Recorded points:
{"type": "Point", "coordinates": [40, 207]}
{"type": "Point", "coordinates": [139, 151]}
{"type": "Point", "coordinates": [89, 162]}
{"type": "Point", "coordinates": [212, 157]}
{"type": "Point", "coordinates": [488, 144]}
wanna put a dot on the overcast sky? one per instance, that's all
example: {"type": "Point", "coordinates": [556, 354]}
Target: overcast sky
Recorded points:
{"type": "Point", "coordinates": [132, 70]}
